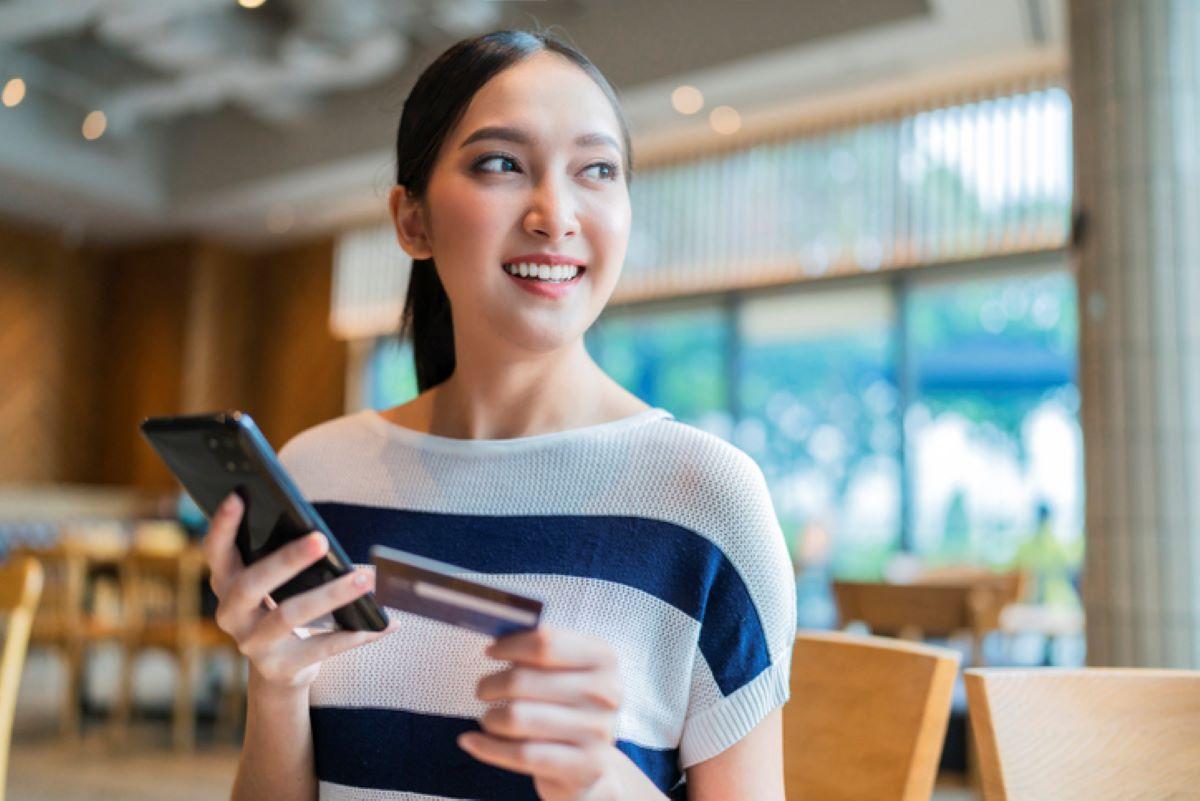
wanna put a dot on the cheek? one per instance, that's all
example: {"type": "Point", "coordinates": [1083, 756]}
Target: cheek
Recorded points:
{"type": "Point", "coordinates": [608, 225]}
{"type": "Point", "coordinates": [468, 228]}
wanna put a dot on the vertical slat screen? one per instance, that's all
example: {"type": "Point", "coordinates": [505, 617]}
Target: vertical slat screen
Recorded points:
{"type": "Point", "coordinates": [987, 175]}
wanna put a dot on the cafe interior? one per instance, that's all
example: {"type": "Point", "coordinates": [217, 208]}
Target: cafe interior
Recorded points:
{"type": "Point", "coordinates": [930, 263]}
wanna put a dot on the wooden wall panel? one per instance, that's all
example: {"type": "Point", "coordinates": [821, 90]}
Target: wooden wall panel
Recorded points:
{"type": "Point", "coordinates": [144, 298]}
{"type": "Point", "coordinates": [300, 369]}
{"type": "Point", "coordinates": [47, 300]}
{"type": "Point", "coordinates": [91, 342]}
{"type": "Point", "coordinates": [220, 346]}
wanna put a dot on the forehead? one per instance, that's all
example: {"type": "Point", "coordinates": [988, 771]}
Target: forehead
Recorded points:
{"type": "Point", "coordinates": [545, 94]}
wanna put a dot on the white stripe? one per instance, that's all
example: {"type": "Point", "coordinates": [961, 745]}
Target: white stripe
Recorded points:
{"type": "Point", "coordinates": [330, 791]}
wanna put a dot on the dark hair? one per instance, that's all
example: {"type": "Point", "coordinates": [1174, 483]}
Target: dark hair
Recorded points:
{"type": "Point", "coordinates": [436, 103]}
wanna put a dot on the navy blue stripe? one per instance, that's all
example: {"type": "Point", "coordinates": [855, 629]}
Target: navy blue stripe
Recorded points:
{"type": "Point", "coordinates": [386, 749]}
{"type": "Point", "coordinates": [668, 561]}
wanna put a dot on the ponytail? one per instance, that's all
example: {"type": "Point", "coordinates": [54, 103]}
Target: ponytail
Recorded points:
{"type": "Point", "coordinates": [427, 322]}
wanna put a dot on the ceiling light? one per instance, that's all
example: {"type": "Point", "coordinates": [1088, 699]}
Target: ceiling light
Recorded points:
{"type": "Point", "coordinates": [94, 125]}
{"type": "Point", "coordinates": [725, 120]}
{"type": "Point", "coordinates": [280, 218]}
{"type": "Point", "coordinates": [687, 99]}
{"type": "Point", "coordinates": [251, 3]}
{"type": "Point", "coordinates": [14, 92]}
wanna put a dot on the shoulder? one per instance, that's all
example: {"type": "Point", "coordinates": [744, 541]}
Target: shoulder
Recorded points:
{"type": "Point", "coordinates": [716, 476]}
{"type": "Point", "coordinates": [327, 444]}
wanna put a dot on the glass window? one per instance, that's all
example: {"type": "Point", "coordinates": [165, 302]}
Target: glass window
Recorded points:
{"type": "Point", "coordinates": [819, 413]}
{"type": "Point", "coordinates": [674, 358]}
{"type": "Point", "coordinates": [994, 445]}
{"type": "Point", "coordinates": [390, 377]}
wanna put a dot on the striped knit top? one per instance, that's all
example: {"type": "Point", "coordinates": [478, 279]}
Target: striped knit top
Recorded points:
{"type": "Point", "coordinates": [646, 532]}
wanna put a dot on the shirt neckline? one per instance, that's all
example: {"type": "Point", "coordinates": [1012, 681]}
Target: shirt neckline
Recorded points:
{"type": "Point", "coordinates": [394, 431]}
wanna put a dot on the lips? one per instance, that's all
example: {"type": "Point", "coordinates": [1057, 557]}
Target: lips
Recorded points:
{"type": "Point", "coordinates": [560, 281]}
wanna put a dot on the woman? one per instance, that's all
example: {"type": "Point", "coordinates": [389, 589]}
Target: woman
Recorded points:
{"type": "Point", "coordinates": [669, 601]}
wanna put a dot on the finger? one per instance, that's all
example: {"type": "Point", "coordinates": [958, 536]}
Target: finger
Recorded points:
{"type": "Point", "coordinates": [586, 688]}
{"type": "Point", "coordinates": [302, 609]}
{"type": "Point", "coordinates": [218, 543]}
{"type": "Point", "coordinates": [268, 573]}
{"type": "Point", "coordinates": [323, 646]}
{"type": "Point", "coordinates": [568, 764]}
{"type": "Point", "coordinates": [527, 720]}
{"type": "Point", "coordinates": [550, 647]}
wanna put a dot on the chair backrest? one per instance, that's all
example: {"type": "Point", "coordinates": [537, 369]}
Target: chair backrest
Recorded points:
{"type": "Point", "coordinates": [162, 588]}
{"type": "Point", "coordinates": [1094, 733]}
{"type": "Point", "coordinates": [932, 610]}
{"type": "Point", "coordinates": [20, 588]}
{"type": "Point", "coordinates": [866, 719]}
{"type": "Point", "coordinates": [936, 605]}
{"type": "Point", "coordinates": [60, 612]}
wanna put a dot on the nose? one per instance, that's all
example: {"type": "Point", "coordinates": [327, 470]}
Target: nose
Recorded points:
{"type": "Point", "coordinates": [552, 213]}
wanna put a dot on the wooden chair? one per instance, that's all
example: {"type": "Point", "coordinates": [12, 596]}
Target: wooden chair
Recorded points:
{"type": "Point", "coordinates": [20, 588]}
{"type": "Point", "coordinates": [162, 599]}
{"type": "Point", "coordinates": [937, 606]}
{"type": "Point", "coordinates": [1086, 735]}
{"type": "Point", "coordinates": [866, 719]}
{"type": "Point", "coordinates": [64, 622]}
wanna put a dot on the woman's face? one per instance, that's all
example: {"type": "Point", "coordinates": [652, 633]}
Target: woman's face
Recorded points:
{"type": "Point", "coordinates": [534, 168]}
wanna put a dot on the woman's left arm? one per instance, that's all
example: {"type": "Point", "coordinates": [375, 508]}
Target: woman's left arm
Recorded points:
{"type": "Point", "coordinates": [555, 718]}
{"type": "Point", "coordinates": [751, 768]}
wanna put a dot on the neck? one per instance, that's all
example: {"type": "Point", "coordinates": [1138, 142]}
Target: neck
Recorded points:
{"type": "Point", "coordinates": [489, 398]}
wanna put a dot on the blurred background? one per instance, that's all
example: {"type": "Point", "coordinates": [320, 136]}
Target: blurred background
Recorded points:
{"type": "Point", "coordinates": [910, 255]}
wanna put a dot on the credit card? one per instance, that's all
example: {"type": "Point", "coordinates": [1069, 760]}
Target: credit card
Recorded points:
{"type": "Point", "coordinates": [436, 590]}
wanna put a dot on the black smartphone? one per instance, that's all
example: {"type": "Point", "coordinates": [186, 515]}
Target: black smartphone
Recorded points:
{"type": "Point", "coordinates": [215, 454]}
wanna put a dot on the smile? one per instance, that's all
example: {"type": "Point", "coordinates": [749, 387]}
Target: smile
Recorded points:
{"type": "Point", "coordinates": [553, 274]}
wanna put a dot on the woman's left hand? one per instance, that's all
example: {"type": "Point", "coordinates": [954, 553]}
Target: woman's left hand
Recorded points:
{"type": "Point", "coordinates": [558, 719]}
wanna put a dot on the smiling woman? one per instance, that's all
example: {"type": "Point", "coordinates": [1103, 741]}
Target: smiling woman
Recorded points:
{"type": "Point", "coordinates": [668, 599]}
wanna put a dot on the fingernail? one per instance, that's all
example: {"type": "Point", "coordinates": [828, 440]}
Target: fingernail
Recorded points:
{"type": "Point", "coordinates": [319, 541]}
{"type": "Point", "coordinates": [465, 741]}
{"type": "Point", "coordinates": [361, 578]}
{"type": "Point", "coordinates": [229, 503]}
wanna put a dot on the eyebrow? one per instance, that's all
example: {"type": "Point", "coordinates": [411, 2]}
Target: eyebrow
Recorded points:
{"type": "Point", "coordinates": [521, 138]}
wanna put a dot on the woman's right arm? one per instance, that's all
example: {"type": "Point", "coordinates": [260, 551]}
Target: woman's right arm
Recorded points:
{"type": "Point", "coordinates": [277, 757]}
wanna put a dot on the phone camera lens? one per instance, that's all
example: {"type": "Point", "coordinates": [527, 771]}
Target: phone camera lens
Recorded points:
{"type": "Point", "coordinates": [231, 467]}
{"type": "Point", "coordinates": [213, 443]}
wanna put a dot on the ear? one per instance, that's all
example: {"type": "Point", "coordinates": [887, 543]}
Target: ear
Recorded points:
{"type": "Point", "coordinates": [409, 221]}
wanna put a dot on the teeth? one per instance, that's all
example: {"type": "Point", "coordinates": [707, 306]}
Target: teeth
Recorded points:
{"type": "Point", "coordinates": [543, 272]}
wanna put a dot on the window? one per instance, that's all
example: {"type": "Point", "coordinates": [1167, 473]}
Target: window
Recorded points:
{"type": "Point", "coordinates": [389, 377]}
{"type": "Point", "coordinates": [992, 427]}
{"type": "Point", "coordinates": [819, 411]}
{"type": "Point", "coordinates": [674, 358]}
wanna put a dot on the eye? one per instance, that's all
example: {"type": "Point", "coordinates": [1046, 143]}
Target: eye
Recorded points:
{"type": "Point", "coordinates": [500, 157]}
{"type": "Point", "coordinates": [612, 173]}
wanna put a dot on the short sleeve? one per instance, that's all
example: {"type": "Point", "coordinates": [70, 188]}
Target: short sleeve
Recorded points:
{"type": "Point", "coordinates": [742, 665]}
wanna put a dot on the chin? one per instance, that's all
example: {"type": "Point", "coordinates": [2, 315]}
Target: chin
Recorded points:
{"type": "Point", "coordinates": [545, 335]}
{"type": "Point", "coordinates": [542, 340]}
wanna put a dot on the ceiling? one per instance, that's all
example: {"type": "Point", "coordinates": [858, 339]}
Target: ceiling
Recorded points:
{"type": "Point", "coordinates": [256, 125]}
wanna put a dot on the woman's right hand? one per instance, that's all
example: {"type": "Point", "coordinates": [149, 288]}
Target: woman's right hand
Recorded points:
{"type": "Point", "coordinates": [267, 636]}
